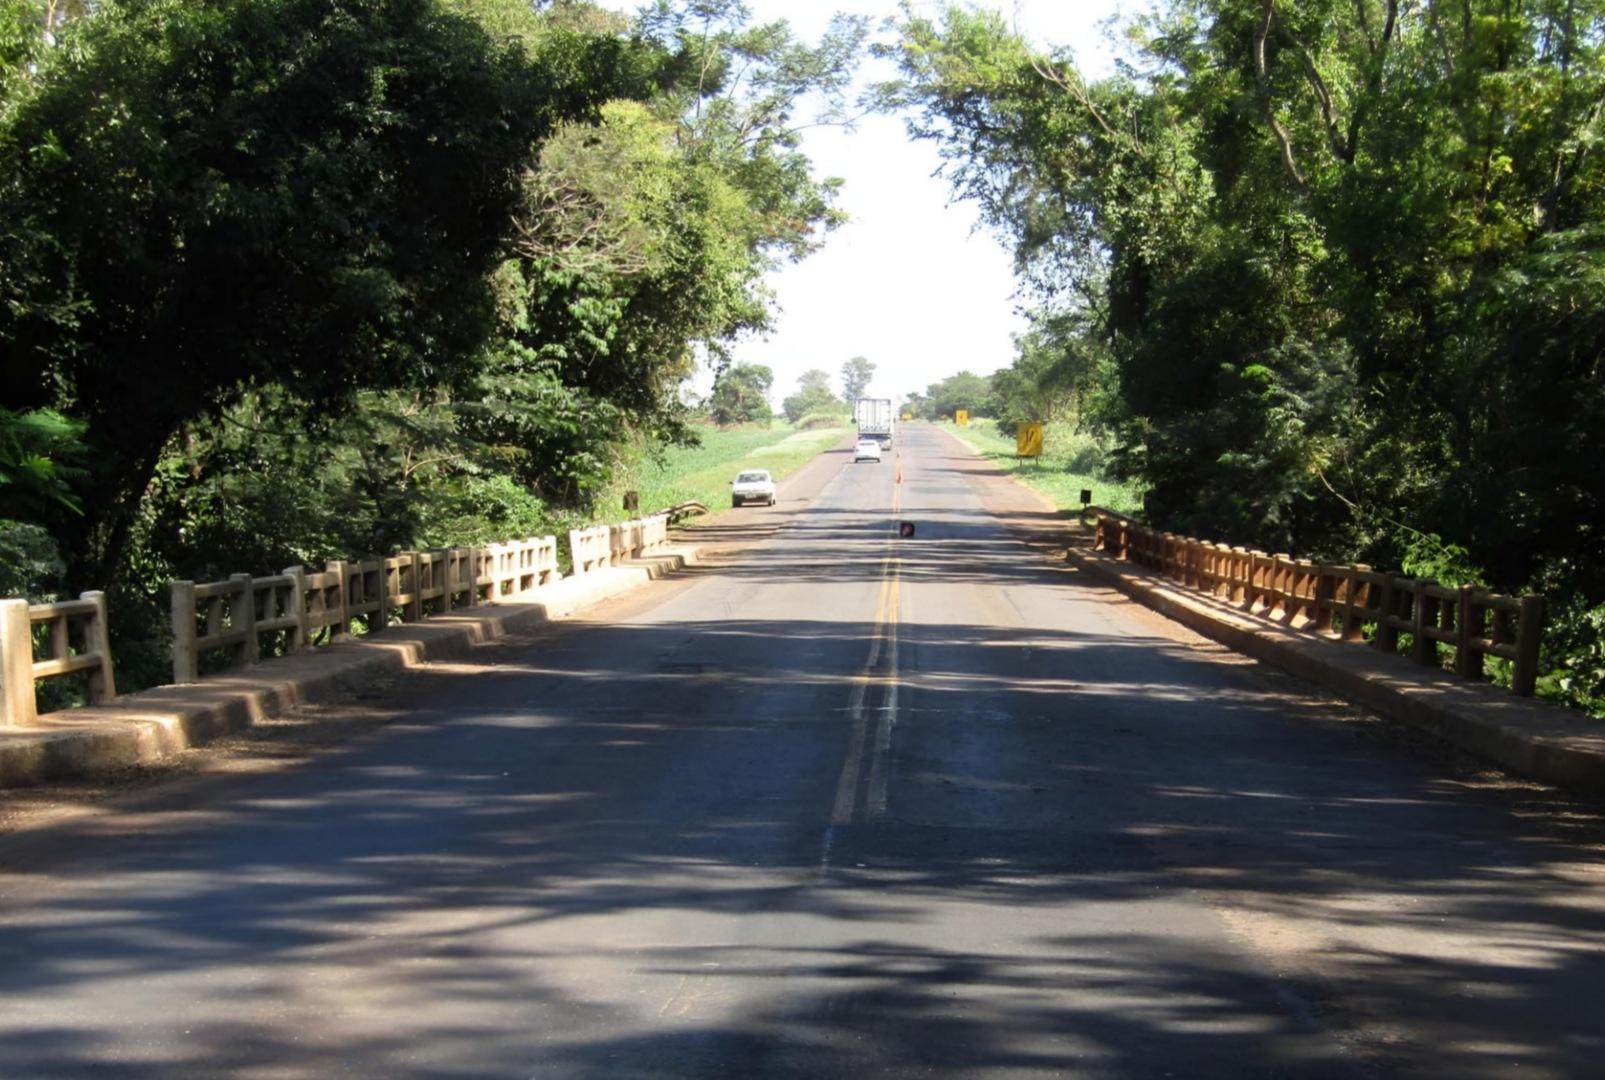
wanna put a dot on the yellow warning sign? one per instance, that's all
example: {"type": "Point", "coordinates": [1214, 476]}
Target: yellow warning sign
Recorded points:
{"type": "Point", "coordinates": [1028, 440]}
{"type": "Point", "coordinates": [961, 417]}
{"type": "Point", "coordinates": [908, 416]}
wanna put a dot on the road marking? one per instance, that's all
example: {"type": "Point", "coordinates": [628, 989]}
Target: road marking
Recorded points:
{"type": "Point", "coordinates": [884, 638]}
{"type": "Point", "coordinates": [880, 759]}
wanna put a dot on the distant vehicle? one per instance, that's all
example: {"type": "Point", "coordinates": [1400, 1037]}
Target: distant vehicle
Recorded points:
{"type": "Point", "coordinates": [867, 450]}
{"type": "Point", "coordinates": [876, 419]}
{"type": "Point", "coordinates": [754, 485]}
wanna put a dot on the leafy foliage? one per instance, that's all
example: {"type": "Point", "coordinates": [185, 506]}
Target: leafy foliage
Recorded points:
{"type": "Point", "coordinates": [856, 376]}
{"type": "Point", "coordinates": [247, 192]}
{"type": "Point", "coordinates": [962, 390]}
{"type": "Point", "coordinates": [1328, 273]}
{"type": "Point", "coordinates": [312, 280]}
{"type": "Point", "coordinates": [40, 453]}
{"type": "Point", "coordinates": [741, 395]}
{"type": "Point", "coordinates": [813, 398]}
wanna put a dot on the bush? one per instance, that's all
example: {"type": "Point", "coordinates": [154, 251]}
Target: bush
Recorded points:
{"type": "Point", "coordinates": [819, 419]}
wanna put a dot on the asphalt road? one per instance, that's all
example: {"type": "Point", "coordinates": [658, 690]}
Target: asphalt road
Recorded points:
{"type": "Point", "coordinates": [844, 806]}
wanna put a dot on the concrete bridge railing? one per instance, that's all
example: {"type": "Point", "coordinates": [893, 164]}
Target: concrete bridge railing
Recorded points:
{"type": "Point", "coordinates": [1342, 601]}
{"type": "Point", "coordinates": [590, 549]}
{"type": "Point", "coordinates": [609, 545]}
{"type": "Point", "coordinates": [242, 616]}
{"type": "Point", "coordinates": [74, 641]}
{"type": "Point", "coordinates": [298, 608]}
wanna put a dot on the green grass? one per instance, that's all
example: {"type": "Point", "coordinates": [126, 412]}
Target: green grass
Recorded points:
{"type": "Point", "coordinates": [682, 473]}
{"type": "Point", "coordinates": [1069, 463]}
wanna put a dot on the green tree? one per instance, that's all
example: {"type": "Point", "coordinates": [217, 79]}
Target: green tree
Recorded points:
{"type": "Point", "coordinates": [21, 33]}
{"type": "Point", "coordinates": [328, 279]}
{"type": "Point", "coordinates": [1327, 268]}
{"type": "Point", "coordinates": [243, 192]}
{"type": "Point", "coordinates": [741, 395]}
{"type": "Point", "coordinates": [644, 238]}
{"type": "Point", "coordinates": [856, 376]}
{"type": "Point", "coordinates": [963, 390]}
{"type": "Point", "coordinates": [40, 453]}
{"type": "Point", "coordinates": [813, 396]}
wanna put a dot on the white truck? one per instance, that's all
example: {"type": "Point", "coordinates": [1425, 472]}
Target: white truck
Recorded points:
{"type": "Point", "coordinates": [875, 418]}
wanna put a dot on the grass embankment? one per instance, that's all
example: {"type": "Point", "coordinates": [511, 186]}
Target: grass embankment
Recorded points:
{"type": "Point", "coordinates": [678, 474]}
{"type": "Point", "coordinates": [1069, 463]}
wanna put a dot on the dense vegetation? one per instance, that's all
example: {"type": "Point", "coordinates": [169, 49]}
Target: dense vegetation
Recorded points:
{"type": "Point", "coordinates": [1330, 274]}
{"type": "Point", "coordinates": [1072, 461]}
{"type": "Point", "coordinates": [287, 279]}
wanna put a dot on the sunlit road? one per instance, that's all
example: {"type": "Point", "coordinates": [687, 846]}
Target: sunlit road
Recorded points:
{"type": "Point", "coordinates": [845, 806]}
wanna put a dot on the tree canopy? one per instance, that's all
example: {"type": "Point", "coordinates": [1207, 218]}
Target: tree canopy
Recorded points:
{"type": "Point", "coordinates": [856, 376]}
{"type": "Point", "coordinates": [1325, 273]}
{"type": "Point", "coordinates": [814, 397]}
{"type": "Point", "coordinates": [741, 395]}
{"type": "Point", "coordinates": [282, 280]}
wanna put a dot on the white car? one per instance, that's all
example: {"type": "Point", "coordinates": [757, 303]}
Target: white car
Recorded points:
{"type": "Point", "coordinates": [754, 485]}
{"type": "Point", "coordinates": [867, 450]}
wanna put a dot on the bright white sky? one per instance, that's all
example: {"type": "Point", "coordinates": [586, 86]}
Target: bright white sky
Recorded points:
{"type": "Point", "coordinates": [908, 282]}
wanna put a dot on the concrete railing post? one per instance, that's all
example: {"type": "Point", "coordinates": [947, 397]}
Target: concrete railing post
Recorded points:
{"type": "Point", "coordinates": [1326, 581]}
{"type": "Point", "coordinates": [1468, 660]}
{"type": "Point", "coordinates": [341, 625]}
{"type": "Point", "coordinates": [414, 565]}
{"type": "Point", "coordinates": [1352, 630]}
{"type": "Point", "coordinates": [1307, 589]}
{"type": "Point", "coordinates": [17, 705]}
{"type": "Point", "coordinates": [1387, 638]}
{"type": "Point", "coordinates": [485, 566]}
{"type": "Point", "coordinates": [97, 638]}
{"type": "Point", "coordinates": [243, 618]}
{"type": "Point", "coordinates": [467, 577]}
{"type": "Point", "coordinates": [1529, 635]}
{"type": "Point", "coordinates": [1279, 582]}
{"type": "Point", "coordinates": [1422, 648]}
{"type": "Point", "coordinates": [301, 636]}
{"type": "Point", "coordinates": [186, 661]}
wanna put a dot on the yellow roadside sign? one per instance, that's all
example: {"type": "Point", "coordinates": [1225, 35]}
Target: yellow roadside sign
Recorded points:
{"type": "Point", "coordinates": [908, 416]}
{"type": "Point", "coordinates": [1028, 440]}
{"type": "Point", "coordinates": [961, 417]}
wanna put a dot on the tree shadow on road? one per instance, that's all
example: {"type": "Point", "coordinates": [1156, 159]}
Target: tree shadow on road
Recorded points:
{"type": "Point", "coordinates": [609, 853]}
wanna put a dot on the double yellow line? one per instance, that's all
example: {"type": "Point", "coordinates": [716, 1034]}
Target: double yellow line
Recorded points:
{"type": "Point", "coordinates": [865, 742]}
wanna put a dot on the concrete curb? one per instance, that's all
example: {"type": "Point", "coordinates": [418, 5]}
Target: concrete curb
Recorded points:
{"type": "Point", "coordinates": [1530, 738]}
{"type": "Point", "coordinates": [145, 727]}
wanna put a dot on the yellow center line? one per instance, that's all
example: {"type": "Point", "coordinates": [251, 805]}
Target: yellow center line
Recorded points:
{"type": "Point", "coordinates": [884, 636]}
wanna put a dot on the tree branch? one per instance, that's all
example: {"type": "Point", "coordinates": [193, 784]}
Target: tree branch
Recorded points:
{"type": "Point", "coordinates": [1289, 162]}
{"type": "Point", "coordinates": [1373, 82]}
{"type": "Point", "coordinates": [1072, 85]}
{"type": "Point", "coordinates": [1323, 95]}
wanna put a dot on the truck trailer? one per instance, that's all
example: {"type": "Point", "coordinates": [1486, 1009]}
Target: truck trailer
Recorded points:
{"type": "Point", "coordinates": [876, 419]}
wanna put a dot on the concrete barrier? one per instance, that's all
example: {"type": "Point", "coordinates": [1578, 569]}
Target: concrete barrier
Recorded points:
{"type": "Point", "coordinates": [244, 617]}
{"type": "Point", "coordinates": [1530, 738]}
{"type": "Point", "coordinates": [590, 549]}
{"type": "Point", "coordinates": [655, 532]}
{"type": "Point", "coordinates": [75, 643]}
{"type": "Point", "coordinates": [506, 571]}
{"type": "Point", "coordinates": [149, 725]}
{"type": "Point", "coordinates": [1344, 602]}
{"type": "Point", "coordinates": [624, 541]}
